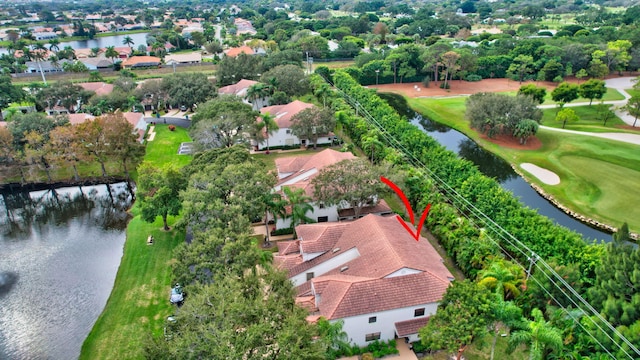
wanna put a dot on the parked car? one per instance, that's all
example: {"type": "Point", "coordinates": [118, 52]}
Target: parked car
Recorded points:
{"type": "Point", "coordinates": [183, 108]}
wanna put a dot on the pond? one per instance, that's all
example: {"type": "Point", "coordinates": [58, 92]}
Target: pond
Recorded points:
{"type": "Point", "coordinates": [493, 166]}
{"type": "Point", "coordinates": [60, 251]}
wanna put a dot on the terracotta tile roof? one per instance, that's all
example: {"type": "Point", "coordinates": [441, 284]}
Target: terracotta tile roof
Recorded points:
{"type": "Point", "coordinates": [361, 285]}
{"type": "Point", "coordinates": [233, 52]}
{"type": "Point", "coordinates": [298, 165]}
{"type": "Point", "coordinates": [133, 118]}
{"type": "Point", "coordinates": [284, 113]}
{"type": "Point", "coordinates": [288, 247]}
{"type": "Point", "coordinates": [342, 299]}
{"type": "Point", "coordinates": [100, 88]}
{"type": "Point", "coordinates": [238, 89]}
{"type": "Point", "coordinates": [141, 61]}
{"type": "Point", "coordinates": [410, 327]}
{"type": "Point", "coordinates": [79, 118]}
{"type": "Point", "coordinates": [380, 207]}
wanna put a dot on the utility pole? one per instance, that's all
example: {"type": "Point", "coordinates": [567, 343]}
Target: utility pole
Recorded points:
{"type": "Point", "coordinates": [309, 62]}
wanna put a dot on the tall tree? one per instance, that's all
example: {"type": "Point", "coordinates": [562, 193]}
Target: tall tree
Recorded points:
{"type": "Point", "coordinates": [449, 60]}
{"type": "Point", "coordinates": [8, 93]}
{"type": "Point", "coordinates": [566, 115]}
{"type": "Point", "coordinates": [128, 41]}
{"type": "Point", "coordinates": [64, 147]}
{"type": "Point", "coordinates": [38, 54]}
{"type": "Point", "coordinates": [520, 67]}
{"type": "Point", "coordinates": [188, 89]}
{"type": "Point", "coordinates": [111, 53]}
{"type": "Point", "coordinates": [290, 78]}
{"type": "Point", "coordinates": [159, 192]}
{"type": "Point", "coordinates": [504, 278]}
{"type": "Point", "coordinates": [95, 141]}
{"type": "Point", "coordinates": [265, 127]}
{"type": "Point", "coordinates": [298, 203]}
{"type": "Point", "coordinates": [221, 122]}
{"type": "Point", "coordinates": [463, 315]}
{"type": "Point", "coordinates": [352, 184]}
{"type": "Point", "coordinates": [592, 89]}
{"type": "Point", "coordinates": [537, 93]}
{"type": "Point", "coordinates": [565, 93]}
{"type": "Point", "coordinates": [633, 107]}
{"type": "Point", "coordinates": [539, 335]}
{"type": "Point", "coordinates": [312, 123]}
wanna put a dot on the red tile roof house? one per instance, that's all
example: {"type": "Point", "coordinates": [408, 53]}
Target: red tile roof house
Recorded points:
{"type": "Point", "coordinates": [233, 52]}
{"type": "Point", "coordinates": [283, 136]}
{"type": "Point", "coordinates": [370, 273]}
{"type": "Point", "coordinates": [298, 171]}
{"type": "Point", "coordinates": [141, 61]}
{"type": "Point", "coordinates": [100, 88]}
{"type": "Point", "coordinates": [240, 89]}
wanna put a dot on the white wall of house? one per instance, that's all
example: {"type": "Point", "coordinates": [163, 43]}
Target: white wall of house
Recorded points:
{"type": "Point", "coordinates": [322, 268]}
{"type": "Point", "coordinates": [280, 137]}
{"type": "Point", "coordinates": [357, 327]}
{"type": "Point", "coordinates": [283, 136]}
{"type": "Point", "coordinates": [330, 212]}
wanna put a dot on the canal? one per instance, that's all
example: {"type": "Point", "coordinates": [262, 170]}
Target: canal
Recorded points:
{"type": "Point", "coordinates": [493, 166]}
{"type": "Point", "coordinates": [59, 253]}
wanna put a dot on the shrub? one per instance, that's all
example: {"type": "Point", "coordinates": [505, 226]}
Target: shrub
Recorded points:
{"type": "Point", "coordinates": [426, 81]}
{"type": "Point", "coordinates": [367, 356]}
{"type": "Point", "coordinates": [285, 231]}
{"type": "Point", "coordinates": [172, 127]}
{"type": "Point", "coordinates": [473, 78]}
{"type": "Point", "coordinates": [444, 85]}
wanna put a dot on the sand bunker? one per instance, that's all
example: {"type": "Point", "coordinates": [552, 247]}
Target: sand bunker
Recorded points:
{"type": "Point", "coordinates": [546, 176]}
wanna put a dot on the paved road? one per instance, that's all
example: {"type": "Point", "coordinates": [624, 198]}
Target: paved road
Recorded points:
{"type": "Point", "coordinates": [625, 137]}
{"type": "Point", "coordinates": [170, 120]}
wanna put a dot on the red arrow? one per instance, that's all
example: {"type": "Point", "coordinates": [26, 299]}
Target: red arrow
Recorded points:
{"type": "Point", "coordinates": [404, 199]}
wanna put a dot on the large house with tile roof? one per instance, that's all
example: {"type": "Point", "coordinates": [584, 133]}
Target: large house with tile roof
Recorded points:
{"type": "Point", "coordinates": [298, 171]}
{"type": "Point", "coordinates": [240, 89]}
{"type": "Point", "coordinates": [283, 137]}
{"type": "Point", "coordinates": [370, 273]}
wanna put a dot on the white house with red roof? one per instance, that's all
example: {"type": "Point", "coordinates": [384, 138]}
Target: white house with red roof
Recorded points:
{"type": "Point", "coordinates": [298, 171]}
{"type": "Point", "coordinates": [240, 89]}
{"type": "Point", "coordinates": [283, 137]}
{"type": "Point", "coordinates": [370, 273]}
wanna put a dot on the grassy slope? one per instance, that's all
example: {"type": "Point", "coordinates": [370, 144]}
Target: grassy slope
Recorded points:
{"type": "Point", "coordinates": [597, 175]}
{"type": "Point", "coordinates": [138, 304]}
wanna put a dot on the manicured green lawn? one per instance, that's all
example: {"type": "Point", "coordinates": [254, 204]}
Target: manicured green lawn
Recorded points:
{"type": "Point", "coordinates": [139, 302]}
{"type": "Point", "coordinates": [164, 147]}
{"type": "Point", "coordinates": [598, 176]}
{"type": "Point", "coordinates": [590, 120]}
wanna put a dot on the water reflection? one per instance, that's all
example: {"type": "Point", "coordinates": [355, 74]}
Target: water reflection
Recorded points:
{"type": "Point", "coordinates": [60, 251]}
{"type": "Point", "coordinates": [493, 166]}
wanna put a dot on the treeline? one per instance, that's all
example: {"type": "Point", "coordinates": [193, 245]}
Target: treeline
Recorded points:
{"type": "Point", "coordinates": [479, 252]}
{"type": "Point", "coordinates": [37, 148]}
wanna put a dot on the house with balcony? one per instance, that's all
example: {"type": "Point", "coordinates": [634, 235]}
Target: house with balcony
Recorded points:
{"type": "Point", "coordinates": [283, 136]}
{"type": "Point", "coordinates": [299, 171]}
{"type": "Point", "coordinates": [370, 273]}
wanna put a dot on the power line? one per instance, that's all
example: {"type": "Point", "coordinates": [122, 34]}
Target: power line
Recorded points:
{"type": "Point", "coordinates": [477, 217]}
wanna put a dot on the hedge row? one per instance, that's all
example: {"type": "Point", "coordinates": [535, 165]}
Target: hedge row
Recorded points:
{"type": "Point", "coordinates": [548, 240]}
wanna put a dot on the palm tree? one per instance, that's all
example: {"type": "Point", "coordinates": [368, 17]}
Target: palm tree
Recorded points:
{"type": "Point", "coordinates": [128, 41]}
{"type": "Point", "coordinates": [269, 125]}
{"type": "Point", "coordinates": [503, 277]}
{"type": "Point", "coordinates": [111, 53]}
{"type": "Point", "coordinates": [95, 51]}
{"type": "Point", "coordinates": [322, 92]}
{"type": "Point", "coordinates": [54, 44]}
{"type": "Point", "coordinates": [299, 203]}
{"type": "Point", "coordinates": [38, 55]}
{"type": "Point", "coordinates": [371, 144]}
{"type": "Point", "coordinates": [506, 313]}
{"type": "Point", "coordinates": [539, 334]}
{"type": "Point", "coordinates": [257, 92]}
